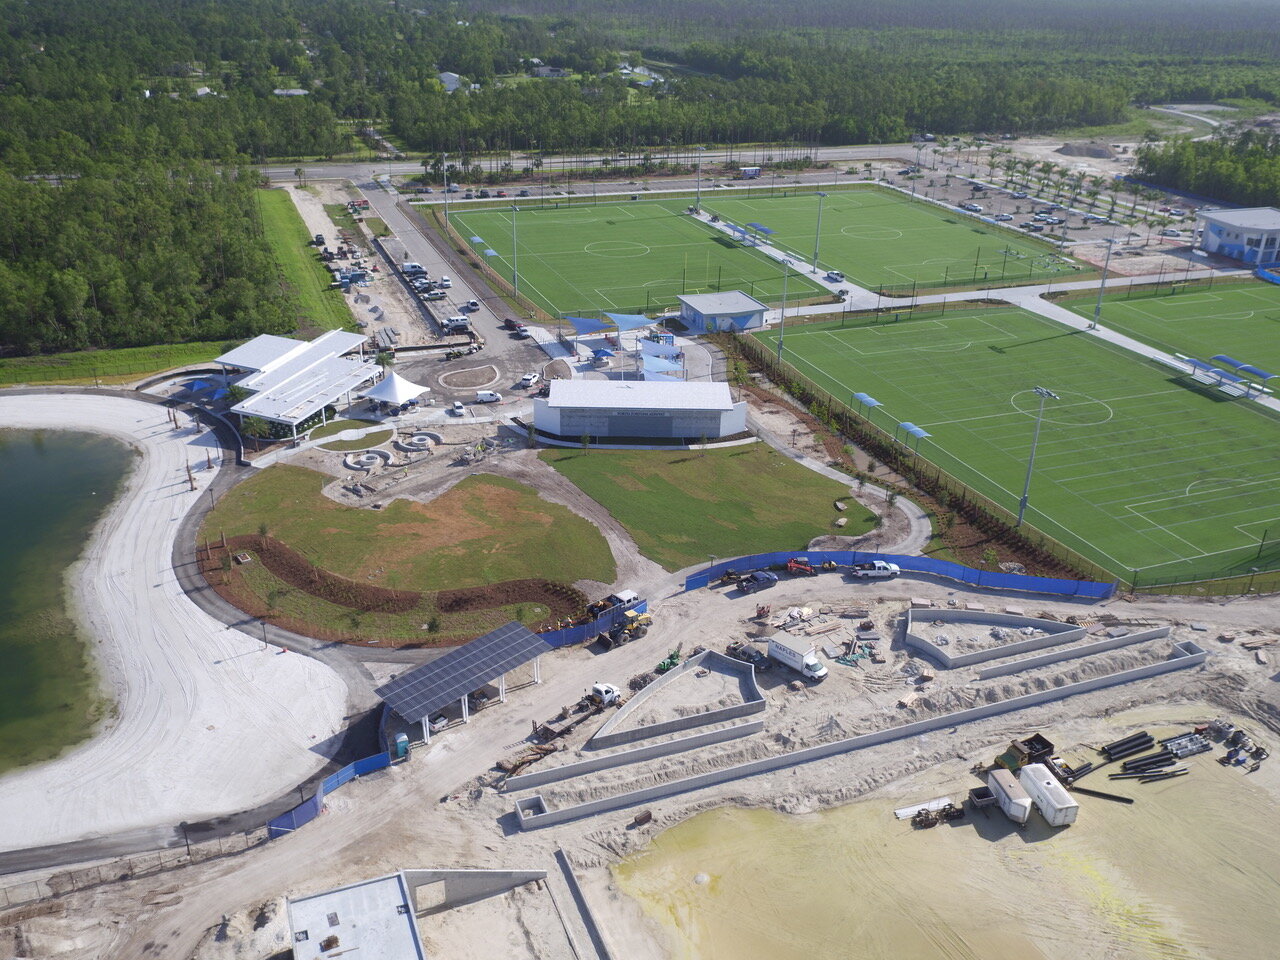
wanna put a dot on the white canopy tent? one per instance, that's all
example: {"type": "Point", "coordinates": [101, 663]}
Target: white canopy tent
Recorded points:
{"type": "Point", "coordinates": [394, 388]}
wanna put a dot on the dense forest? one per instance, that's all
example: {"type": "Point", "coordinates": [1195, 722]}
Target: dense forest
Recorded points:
{"type": "Point", "coordinates": [130, 124]}
{"type": "Point", "coordinates": [1241, 168]}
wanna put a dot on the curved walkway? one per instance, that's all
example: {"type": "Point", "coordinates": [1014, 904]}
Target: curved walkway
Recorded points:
{"type": "Point", "coordinates": [207, 722]}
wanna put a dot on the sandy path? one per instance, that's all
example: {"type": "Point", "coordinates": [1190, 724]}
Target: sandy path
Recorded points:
{"type": "Point", "coordinates": [206, 721]}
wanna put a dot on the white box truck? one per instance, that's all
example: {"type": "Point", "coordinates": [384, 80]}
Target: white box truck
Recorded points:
{"type": "Point", "coordinates": [797, 654]}
{"type": "Point", "coordinates": [1048, 794]}
{"type": "Point", "coordinates": [1013, 800]}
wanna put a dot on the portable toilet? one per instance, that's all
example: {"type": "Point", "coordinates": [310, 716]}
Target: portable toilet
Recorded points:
{"type": "Point", "coordinates": [402, 746]}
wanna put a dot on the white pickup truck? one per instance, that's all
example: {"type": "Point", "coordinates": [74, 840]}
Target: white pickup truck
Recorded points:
{"type": "Point", "coordinates": [797, 654]}
{"type": "Point", "coordinates": [875, 570]}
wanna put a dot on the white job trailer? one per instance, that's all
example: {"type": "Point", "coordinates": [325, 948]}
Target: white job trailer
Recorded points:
{"type": "Point", "coordinates": [1013, 800]}
{"type": "Point", "coordinates": [750, 173]}
{"type": "Point", "coordinates": [1048, 794]}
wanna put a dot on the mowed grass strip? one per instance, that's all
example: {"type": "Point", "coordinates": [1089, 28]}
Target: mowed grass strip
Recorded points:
{"type": "Point", "coordinates": [344, 446]}
{"type": "Point", "coordinates": [108, 366]}
{"type": "Point", "coordinates": [877, 237]}
{"type": "Point", "coordinates": [681, 506]}
{"type": "Point", "coordinates": [1136, 467]}
{"type": "Point", "coordinates": [1241, 320]}
{"type": "Point", "coordinates": [622, 257]}
{"type": "Point", "coordinates": [484, 530]}
{"type": "Point", "coordinates": [302, 276]}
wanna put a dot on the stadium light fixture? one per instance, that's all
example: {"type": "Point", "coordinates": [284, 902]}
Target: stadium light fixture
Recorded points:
{"type": "Point", "coordinates": [1044, 394]}
{"type": "Point", "coordinates": [817, 235]}
{"type": "Point", "coordinates": [782, 316]}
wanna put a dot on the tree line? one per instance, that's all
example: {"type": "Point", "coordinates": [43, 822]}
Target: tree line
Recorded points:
{"type": "Point", "coordinates": [1241, 168]}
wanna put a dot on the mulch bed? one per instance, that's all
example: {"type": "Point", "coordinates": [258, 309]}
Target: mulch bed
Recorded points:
{"type": "Point", "coordinates": [561, 599]}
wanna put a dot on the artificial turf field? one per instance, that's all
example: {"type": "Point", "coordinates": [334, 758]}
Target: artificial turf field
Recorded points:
{"type": "Point", "coordinates": [637, 256]}
{"type": "Point", "coordinates": [631, 257]}
{"type": "Point", "coordinates": [1241, 320]}
{"type": "Point", "coordinates": [879, 238]}
{"type": "Point", "coordinates": [1137, 468]}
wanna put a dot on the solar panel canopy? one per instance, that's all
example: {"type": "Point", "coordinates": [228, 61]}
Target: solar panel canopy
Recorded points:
{"type": "Point", "coordinates": [425, 689]}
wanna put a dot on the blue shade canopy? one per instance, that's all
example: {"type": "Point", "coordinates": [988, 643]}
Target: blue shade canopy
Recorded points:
{"type": "Point", "coordinates": [629, 321]}
{"type": "Point", "coordinates": [602, 353]}
{"type": "Point", "coordinates": [1248, 368]}
{"type": "Point", "coordinates": [659, 365]}
{"type": "Point", "coordinates": [585, 325]}
{"type": "Point", "coordinates": [761, 227]}
{"type": "Point", "coordinates": [477, 240]}
{"type": "Point", "coordinates": [1199, 366]}
{"type": "Point", "coordinates": [866, 399]}
{"type": "Point", "coordinates": [915, 431]}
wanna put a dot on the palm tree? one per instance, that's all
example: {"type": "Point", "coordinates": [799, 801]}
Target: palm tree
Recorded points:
{"type": "Point", "coordinates": [256, 429]}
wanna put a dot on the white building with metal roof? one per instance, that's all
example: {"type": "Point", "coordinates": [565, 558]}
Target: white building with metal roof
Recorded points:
{"type": "Point", "coordinates": [1251, 234]}
{"type": "Point", "coordinates": [731, 310]}
{"type": "Point", "coordinates": [293, 380]}
{"type": "Point", "coordinates": [636, 409]}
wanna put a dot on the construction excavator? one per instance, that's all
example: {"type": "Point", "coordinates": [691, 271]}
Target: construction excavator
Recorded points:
{"type": "Point", "coordinates": [672, 661]}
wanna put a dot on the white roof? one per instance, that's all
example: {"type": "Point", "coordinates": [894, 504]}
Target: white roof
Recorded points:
{"type": "Point", "coordinates": [1250, 218]}
{"type": "Point", "coordinates": [261, 352]}
{"type": "Point", "coordinates": [639, 395]}
{"type": "Point", "coordinates": [370, 919]}
{"type": "Point", "coordinates": [299, 382]}
{"type": "Point", "coordinates": [1049, 786]}
{"type": "Point", "coordinates": [731, 301]}
{"type": "Point", "coordinates": [394, 388]}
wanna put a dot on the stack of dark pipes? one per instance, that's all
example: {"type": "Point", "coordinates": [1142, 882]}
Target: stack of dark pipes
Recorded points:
{"type": "Point", "coordinates": [1150, 768]}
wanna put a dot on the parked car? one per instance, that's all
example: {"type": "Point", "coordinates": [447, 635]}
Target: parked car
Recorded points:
{"type": "Point", "coordinates": [511, 323]}
{"type": "Point", "coordinates": [529, 379]}
{"type": "Point", "coordinates": [444, 283]}
{"type": "Point", "coordinates": [473, 304]}
{"type": "Point", "coordinates": [1170, 233]}
{"type": "Point", "coordinates": [502, 193]}
{"type": "Point", "coordinates": [1019, 195]}
{"type": "Point", "coordinates": [523, 193]}
{"type": "Point", "coordinates": [485, 194]}
{"type": "Point", "coordinates": [457, 409]}
{"type": "Point", "coordinates": [1003, 216]}
{"type": "Point", "coordinates": [488, 396]}
{"type": "Point", "coordinates": [971, 207]}
{"type": "Point", "coordinates": [1177, 212]}
{"type": "Point", "coordinates": [434, 295]}
{"type": "Point", "coordinates": [452, 188]}
{"type": "Point", "coordinates": [469, 195]}
{"type": "Point", "coordinates": [835, 276]}
{"type": "Point", "coordinates": [1163, 209]}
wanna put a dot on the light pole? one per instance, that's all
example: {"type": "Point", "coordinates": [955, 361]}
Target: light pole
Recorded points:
{"type": "Point", "coordinates": [1097, 307]}
{"type": "Point", "coordinates": [701, 151]}
{"type": "Point", "coordinates": [444, 165]}
{"type": "Point", "coordinates": [1044, 395]}
{"type": "Point", "coordinates": [817, 234]}
{"type": "Point", "coordinates": [515, 251]}
{"type": "Point", "coordinates": [782, 317]}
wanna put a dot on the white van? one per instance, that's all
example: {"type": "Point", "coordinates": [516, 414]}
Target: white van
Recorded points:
{"type": "Point", "coordinates": [411, 269]}
{"type": "Point", "coordinates": [488, 396]}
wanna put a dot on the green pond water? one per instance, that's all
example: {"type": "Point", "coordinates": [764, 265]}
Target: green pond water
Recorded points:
{"type": "Point", "coordinates": [54, 486]}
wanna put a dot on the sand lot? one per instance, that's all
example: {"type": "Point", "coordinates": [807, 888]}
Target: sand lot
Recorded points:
{"type": "Point", "coordinates": [1188, 871]}
{"type": "Point", "coordinates": [207, 721]}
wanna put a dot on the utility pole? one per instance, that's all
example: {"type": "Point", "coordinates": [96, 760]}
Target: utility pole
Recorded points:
{"type": "Point", "coordinates": [782, 318]}
{"type": "Point", "coordinates": [1044, 395]}
{"type": "Point", "coordinates": [817, 236]}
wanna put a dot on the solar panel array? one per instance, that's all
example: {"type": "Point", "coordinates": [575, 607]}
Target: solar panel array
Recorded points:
{"type": "Point", "coordinates": [425, 689]}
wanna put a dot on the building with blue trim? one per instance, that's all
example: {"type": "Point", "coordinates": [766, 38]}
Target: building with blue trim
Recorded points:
{"type": "Point", "coordinates": [712, 312]}
{"type": "Point", "coordinates": [1251, 235]}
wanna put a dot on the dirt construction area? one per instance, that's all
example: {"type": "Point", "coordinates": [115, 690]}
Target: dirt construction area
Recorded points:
{"type": "Point", "coordinates": [445, 806]}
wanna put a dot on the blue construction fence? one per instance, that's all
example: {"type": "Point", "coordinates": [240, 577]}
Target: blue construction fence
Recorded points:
{"type": "Point", "coordinates": [571, 636]}
{"type": "Point", "coordinates": [990, 579]}
{"type": "Point", "coordinates": [309, 809]}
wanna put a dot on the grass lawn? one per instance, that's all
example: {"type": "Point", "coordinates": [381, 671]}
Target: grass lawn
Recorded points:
{"type": "Point", "coordinates": [880, 238]}
{"type": "Point", "coordinates": [1241, 320]}
{"type": "Point", "coordinates": [360, 443]}
{"type": "Point", "coordinates": [1137, 467]}
{"type": "Point", "coordinates": [484, 530]}
{"type": "Point", "coordinates": [302, 275]}
{"type": "Point", "coordinates": [108, 366]}
{"type": "Point", "coordinates": [622, 257]}
{"type": "Point", "coordinates": [681, 506]}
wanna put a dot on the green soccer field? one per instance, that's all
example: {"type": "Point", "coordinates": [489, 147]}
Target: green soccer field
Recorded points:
{"type": "Point", "coordinates": [878, 238]}
{"type": "Point", "coordinates": [622, 257]}
{"type": "Point", "coordinates": [1137, 468]}
{"type": "Point", "coordinates": [1241, 320]}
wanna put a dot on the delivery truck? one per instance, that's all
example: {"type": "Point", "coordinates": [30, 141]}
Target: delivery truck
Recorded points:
{"type": "Point", "coordinates": [797, 654]}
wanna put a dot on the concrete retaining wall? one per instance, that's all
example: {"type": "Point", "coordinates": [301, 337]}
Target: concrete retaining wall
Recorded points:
{"type": "Point", "coordinates": [1059, 633]}
{"type": "Point", "coordinates": [654, 750]}
{"type": "Point", "coordinates": [752, 702]}
{"type": "Point", "coordinates": [532, 812]}
{"type": "Point", "coordinates": [468, 885]}
{"type": "Point", "coordinates": [1071, 653]}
